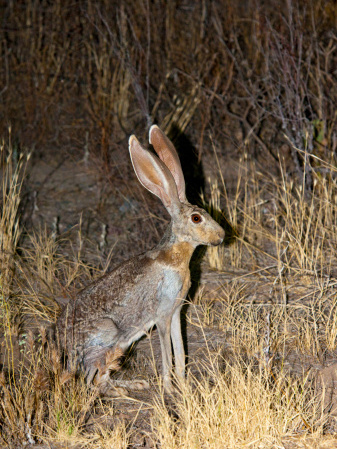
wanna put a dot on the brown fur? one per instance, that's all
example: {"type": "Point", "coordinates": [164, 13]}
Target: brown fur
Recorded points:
{"type": "Point", "coordinates": [177, 255]}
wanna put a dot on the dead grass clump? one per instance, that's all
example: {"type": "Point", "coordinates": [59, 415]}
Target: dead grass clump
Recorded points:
{"type": "Point", "coordinates": [12, 167]}
{"type": "Point", "coordinates": [52, 268]}
{"type": "Point", "coordinates": [279, 221]}
{"type": "Point", "coordinates": [40, 401]}
{"type": "Point", "coordinates": [48, 278]}
{"type": "Point", "coordinates": [237, 406]}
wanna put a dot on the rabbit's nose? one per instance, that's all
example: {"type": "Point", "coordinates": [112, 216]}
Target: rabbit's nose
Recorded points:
{"type": "Point", "coordinates": [220, 240]}
{"type": "Point", "coordinates": [221, 236]}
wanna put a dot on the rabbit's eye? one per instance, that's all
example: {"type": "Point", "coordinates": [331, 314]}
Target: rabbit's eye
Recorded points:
{"type": "Point", "coordinates": [196, 218]}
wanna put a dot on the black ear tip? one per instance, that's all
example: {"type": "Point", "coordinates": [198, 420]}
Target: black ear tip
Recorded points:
{"type": "Point", "coordinates": [153, 128]}
{"type": "Point", "coordinates": [132, 139]}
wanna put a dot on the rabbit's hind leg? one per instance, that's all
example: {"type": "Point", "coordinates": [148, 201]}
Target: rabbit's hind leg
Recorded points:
{"type": "Point", "coordinates": [100, 376]}
{"type": "Point", "coordinates": [99, 363]}
{"type": "Point", "coordinates": [101, 355]}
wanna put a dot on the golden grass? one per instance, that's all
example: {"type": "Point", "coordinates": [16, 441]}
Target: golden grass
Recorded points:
{"type": "Point", "coordinates": [13, 168]}
{"type": "Point", "coordinates": [237, 405]}
{"type": "Point", "coordinates": [42, 402]}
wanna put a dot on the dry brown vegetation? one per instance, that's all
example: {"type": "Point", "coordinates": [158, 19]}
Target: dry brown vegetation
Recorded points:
{"type": "Point", "coordinates": [248, 92]}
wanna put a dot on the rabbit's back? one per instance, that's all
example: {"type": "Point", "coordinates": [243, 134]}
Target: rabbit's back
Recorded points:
{"type": "Point", "coordinates": [122, 304]}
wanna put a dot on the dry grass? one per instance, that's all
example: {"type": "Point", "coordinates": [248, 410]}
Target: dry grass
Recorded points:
{"type": "Point", "coordinates": [42, 402]}
{"type": "Point", "coordinates": [256, 94]}
{"type": "Point", "coordinates": [236, 406]}
{"type": "Point", "coordinates": [13, 167]}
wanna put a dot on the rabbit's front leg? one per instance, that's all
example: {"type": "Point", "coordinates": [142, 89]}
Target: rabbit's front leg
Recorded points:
{"type": "Point", "coordinates": [164, 328]}
{"type": "Point", "coordinates": [178, 345]}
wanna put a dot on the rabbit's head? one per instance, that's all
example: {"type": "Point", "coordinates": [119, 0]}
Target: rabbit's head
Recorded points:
{"type": "Point", "coordinates": [163, 177]}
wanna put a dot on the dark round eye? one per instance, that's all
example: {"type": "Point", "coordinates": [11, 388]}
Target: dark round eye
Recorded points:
{"type": "Point", "coordinates": [196, 218]}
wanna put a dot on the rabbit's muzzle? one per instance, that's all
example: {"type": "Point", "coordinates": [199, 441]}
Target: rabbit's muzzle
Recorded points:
{"type": "Point", "coordinates": [218, 237]}
{"type": "Point", "coordinates": [217, 242]}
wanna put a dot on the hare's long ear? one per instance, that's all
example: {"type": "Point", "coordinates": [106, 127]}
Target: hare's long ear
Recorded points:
{"type": "Point", "coordinates": [154, 175]}
{"type": "Point", "coordinates": [168, 154]}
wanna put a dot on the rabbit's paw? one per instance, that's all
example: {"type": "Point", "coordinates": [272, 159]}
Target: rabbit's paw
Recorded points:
{"type": "Point", "coordinates": [116, 391]}
{"type": "Point", "coordinates": [140, 385]}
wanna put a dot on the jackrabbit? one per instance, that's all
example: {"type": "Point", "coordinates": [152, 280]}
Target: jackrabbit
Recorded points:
{"type": "Point", "coordinates": [149, 289]}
